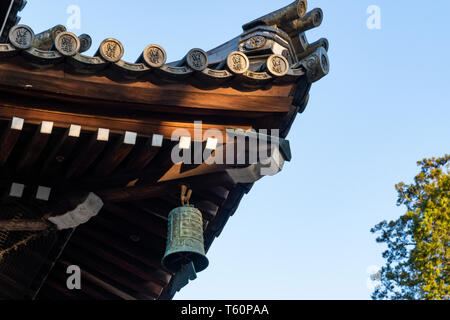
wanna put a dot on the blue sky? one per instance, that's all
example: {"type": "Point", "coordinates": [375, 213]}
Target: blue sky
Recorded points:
{"type": "Point", "coordinates": [304, 234]}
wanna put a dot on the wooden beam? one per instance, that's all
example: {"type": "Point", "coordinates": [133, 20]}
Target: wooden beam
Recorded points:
{"type": "Point", "coordinates": [35, 147]}
{"type": "Point", "coordinates": [138, 217]}
{"type": "Point", "coordinates": [102, 284]}
{"type": "Point", "coordinates": [89, 154]}
{"type": "Point", "coordinates": [52, 257]}
{"type": "Point", "coordinates": [115, 260]}
{"type": "Point", "coordinates": [163, 170]}
{"type": "Point", "coordinates": [132, 193]}
{"type": "Point", "coordinates": [60, 152]}
{"type": "Point", "coordinates": [144, 154]}
{"type": "Point", "coordinates": [157, 207]}
{"type": "Point", "coordinates": [144, 93]}
{"type": "Point", "coordinates": [13, 290]}
{"type": "Point", "coordinates": [115, 154]}
{"type": "Point", "coordinates": [9, 138]}
{"type": "Point", "coordinates": [180, 170]}
{"type": "Point", "coordinates": [142, 191]}
{"type": "Point", "coordinates": [208, 194]}
{"type": "Point", "coordinates": [154, 245]}
{"type": "Point", "coordinates": [64, 293]}
{"type": "Point", "coordinates": [117, 125]}
{"type": "Point", "coordinates": [23, 225]}
{"type": "Point", "coordinates": [130, 250]}
{"type": "Point", "coordinates": [91, 263]}
{"type": "Point", "coordinates": [89, 290]}
{"type": "Point", "coordinates": [206, 181]}
{"type": "Point", "coordinates": [160, 162]}
{"type": "Point", "coordinates": [207, 206]}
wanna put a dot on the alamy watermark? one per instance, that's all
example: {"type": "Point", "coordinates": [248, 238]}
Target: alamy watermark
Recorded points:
{"type": "Point", "coordinates": [74, 19]}
{"type": "Point", "coordinates": [374, 19]}
{"type": "Point", "coordinates": [74, 280]}
{"type": "Point", "coordinates": [235, 147]}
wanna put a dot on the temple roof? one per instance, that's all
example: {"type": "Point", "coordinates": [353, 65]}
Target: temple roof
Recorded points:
{"type": "Point", "coordinates": [271, 49]}
{"type": "Point", "coordinates": [74, 126]}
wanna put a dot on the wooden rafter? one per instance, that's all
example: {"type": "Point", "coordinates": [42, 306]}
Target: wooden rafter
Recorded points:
{"type": "Point", "coordinates": [23, 225]}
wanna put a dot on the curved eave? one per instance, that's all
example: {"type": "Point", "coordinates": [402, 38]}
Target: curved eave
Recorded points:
{"type": "Point", "coordinates": [103, 90]}
{"type": "Point", "coordinates": [123, 71]}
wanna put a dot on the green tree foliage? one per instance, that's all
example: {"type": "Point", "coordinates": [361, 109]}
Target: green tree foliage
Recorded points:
{"type": "Point", "coordinates": [418, 254]}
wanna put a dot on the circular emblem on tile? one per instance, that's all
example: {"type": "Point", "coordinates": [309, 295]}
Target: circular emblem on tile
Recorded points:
{"type": "Point", "coordinates": [324, 61]}
{"type": "Point", "coordinates": [318, 17]}
{"type": "Point", "coordinates": [155, 56]}
{"type": "Point", "coordinates": [67, 43]}
{"type": "Point", "coordinates": [197, 59]}
{"type": "Point", "coordinates": [238, 62]}
{"type": "Point", "coordinates": [277, 65]}
{"type": "Point", "coordinates": [21, 37]}
{"type": "Point", "coordinates": [317, 65]}
{"type": "Point", "coordinates": [111, 50]}
{"type": "Point", "coordinates": [255, 42]}
{"type": "Point", "coordinates": [302, 7]}
{"type": "Point", "coordinates": [57, 30]}
{"type": "Point", "coordinates": [86, 42]}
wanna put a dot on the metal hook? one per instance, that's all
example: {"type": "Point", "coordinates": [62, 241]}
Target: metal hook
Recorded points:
{"type": "Point", "coordinates": [185, 195]}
